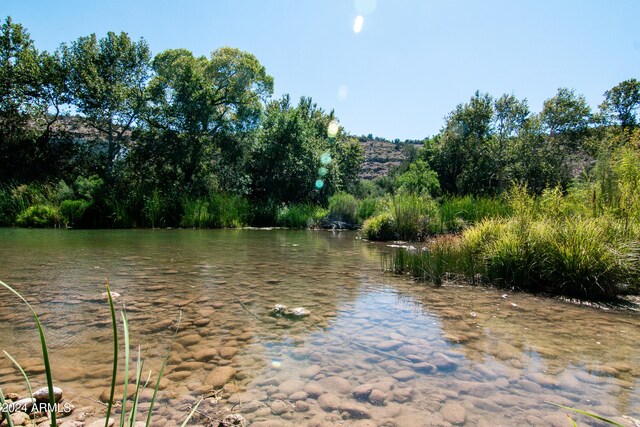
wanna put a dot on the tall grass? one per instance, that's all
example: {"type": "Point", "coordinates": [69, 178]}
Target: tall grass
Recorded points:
{"type": "Point", "coordinates": [457, 213]}
{"type": "Point", "coordinates": [344, 207]}
{"type": "Point", "coordinates": [124, 420]}
{"type": "Point", "coordinates": [299, 216]}
{"type": "Point", "coordinates": [216, 211]}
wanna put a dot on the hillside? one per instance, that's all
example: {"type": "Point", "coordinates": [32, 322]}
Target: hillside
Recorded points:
{"type": "Point", "coordinates": [380, 156]}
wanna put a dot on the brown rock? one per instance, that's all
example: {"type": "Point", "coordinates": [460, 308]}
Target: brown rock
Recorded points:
{"type": "Point", "coordinates": [298, 395]}
{"type": "Point", "coordinates": [228, 352]}
{"type": "Point", "coordinates": [278, 407]}
{"type": "Point", "coordinates": [454, 413]}
{"type": "Point", "coordinates": [301, 406]}
{"type": "Point", "coordinates": [188, 340]}
{"type": "Point", "coordinates": [291, 386]}
{"type": "Point", "coordinates": [310, 372]}
{"type": "Point", "coordinates": [404, 375]}
{"type": "Point", "coordinates": [355, 410]}
{"type": "Point", "coordinates": [205, 354]}
{"type": "Point", "coordinates": [335, 384]}
{"type": "Point", "coordinates": [220, 376]}
{"type": "Point", "coordinates": [329, 402]}
{"type": "Point", "coordinates": [377, 397]}
{"type": "Point", "coordinates": [362, 392]}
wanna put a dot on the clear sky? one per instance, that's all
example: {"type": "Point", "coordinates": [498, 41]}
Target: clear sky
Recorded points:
{"type": "Point", "coordinates": [412, 62]}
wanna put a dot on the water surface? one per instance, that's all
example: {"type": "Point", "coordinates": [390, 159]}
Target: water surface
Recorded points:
{"type": "Point", "coordinates": [454, 355]}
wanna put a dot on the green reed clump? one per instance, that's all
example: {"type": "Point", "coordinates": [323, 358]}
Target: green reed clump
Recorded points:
{"type": "Point", "coordinates": [299, 216]}
{"type": "Point", "coordinates": [458, 212]}
{"type": "Point", "coordinates": [216, 211]}
{"type": "Point", "coordinates": [415, 216]}
{"type": "Point", "coordinates": [369, 207]}
{"type": "Point", "coordinates": [343, 207]}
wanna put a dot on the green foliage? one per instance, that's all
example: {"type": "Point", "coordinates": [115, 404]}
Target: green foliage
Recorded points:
{"type": "Point", "coordinates": [419, 179]}
{"type": "Point", "coordinates": [299, 216]}
{"type": "Point", "coordinates": [344, 207]}
{"type": "Point", "coordinates": [38, 216]}
{"type": "Point", "coordinates": [458, 212]}
{"type": "Point", "coordinates": [414, 216]}
{"type": "Point", "coordinates": [216, 211]}
{"type": "Point", "coordinates": [380, 227]}
{"type": "Point", "coordinates": [72, 212]}
{"type": "Point", "coordinates": [369, 207]}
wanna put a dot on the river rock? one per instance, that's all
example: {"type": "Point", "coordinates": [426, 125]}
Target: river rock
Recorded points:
{"type": "Point", "coordinates": [388, 345]}
{"type": "Point", "coordinates": [301, 406]}
{"type": "Point", "coordinates": [311, 371]}
{"type": "Point", "coordinates": [313, 389]}
{"type": "Point", "coordinates": [101, 422]}
{"type": "Point", "coordinates": [335, 384]}
{"type": "Point", "coordinates": [228, 352]}
{"type": "Point", "coordinates": [362, 392]}
{"type": "Point", "coordinates": [233, 420]}
{"type": "Point", "coordinates": [42, 394]}
{"type": "Point", "coordinates": [329, 402]}
{"type": "Point", "coordinates": [291, 386]}
{"type": "Point", "coordinates": [220, 376]}
{"type": "Point", "coordinates": [278, 407]}
{"type": "Point", "coordinates": [20, 418]}
{"type": "Point", "coordinates": [404, 375]}
{"type": "Point", "coordinates": [355, 410]}
{"type": "Point", "coordinates": [73, 423]}
{"type": "Point", "coordinates": [189, 340]}
{"type": "Point", "coordinates": [443, 363]}
{"type": "Point", "coordinates": [402, 395]}
{"type": "Point", "coordinates": [454, 413]}
{"type": "Point", "coordinates": [377, 397]}
{"type": "Point", "coordinates": [542, 379]}
{"type": "Point", "coordinates": [205, 354]}
{"type": "Point", "coordinates": [298, 395]}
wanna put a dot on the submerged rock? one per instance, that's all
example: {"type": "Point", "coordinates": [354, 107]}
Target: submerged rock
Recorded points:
{"type": "Point", "coordinates": [280, 310]}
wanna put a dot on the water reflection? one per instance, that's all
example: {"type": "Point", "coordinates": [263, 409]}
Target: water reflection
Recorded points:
{"type": "Point", "coordinates": [451, 355]}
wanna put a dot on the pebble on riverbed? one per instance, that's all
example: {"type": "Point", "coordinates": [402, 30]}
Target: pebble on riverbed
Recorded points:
{"type": "Point", "coordinates": [280, 310]}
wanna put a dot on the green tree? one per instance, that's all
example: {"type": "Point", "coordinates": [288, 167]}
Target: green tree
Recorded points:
{"type": "Point", "coordinates": [107, 79]}
{"type": "Point", "coordinates": [566, 118]}
{"type": "Point", "coordinates": [418, 179]}
{"type": "Point", "coordinates": [621, 103]}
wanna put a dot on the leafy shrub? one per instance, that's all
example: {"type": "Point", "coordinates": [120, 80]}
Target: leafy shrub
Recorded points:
{"type": "Point", "coordinates": [414, 216]}
{"type": "Point", "coordinates": [38, 216]}
{"type": "Point", "coordinates": [380, 227]}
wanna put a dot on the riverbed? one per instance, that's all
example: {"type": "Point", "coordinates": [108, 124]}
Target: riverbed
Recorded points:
{"type": "Point", "coordinates": [377, 350]}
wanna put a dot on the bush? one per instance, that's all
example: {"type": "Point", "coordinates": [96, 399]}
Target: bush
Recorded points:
{"type": "Point", "coordinates": [343, 207]}
{"type": "Point", "coordinates": [217, 211]}
{"type": "Point", "coordinates": [72, 211]}
{"type": "Point", "coordinates": [38, 216]}
{"type": "Point", "coordinates": [380, 227]}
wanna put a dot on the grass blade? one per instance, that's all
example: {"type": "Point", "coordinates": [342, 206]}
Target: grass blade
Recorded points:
{"type": "Point", "coordinates": [125, 325]}
{"type": "Point", "coordinates": [588, 414]}
{"type": "Point", "coordinates": [115, 356]}
{"type": "Point", "coordinates": [193, 411]}
{"type": "Point", "coordinates": [26, 378]}
{"type": "Point", "coordinates": [7, 415]}
{"type": "Point", "coordinates": [161, 372]}
{"type": "Point", "coordinates": [134, 408]}
{"type": "Point", "coordinates": [45, 353]}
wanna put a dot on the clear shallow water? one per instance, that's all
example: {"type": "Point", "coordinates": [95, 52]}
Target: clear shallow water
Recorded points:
{"type": "Point", "coordinates": [446, 356]}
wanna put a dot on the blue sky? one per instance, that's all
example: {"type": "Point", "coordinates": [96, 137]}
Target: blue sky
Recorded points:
{"type": "Point", "coordinates": [412, 62]}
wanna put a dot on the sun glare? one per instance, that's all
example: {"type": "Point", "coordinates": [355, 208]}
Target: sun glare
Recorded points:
{"type": "Point", "coordinates": [357, 24]}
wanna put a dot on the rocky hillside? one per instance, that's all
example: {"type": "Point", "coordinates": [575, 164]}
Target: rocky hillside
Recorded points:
{"type": "Point", "coordinates": [380, 155]}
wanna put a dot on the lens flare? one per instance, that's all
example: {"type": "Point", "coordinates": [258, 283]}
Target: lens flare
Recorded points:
{"type": "Point", "coordinates": [319, 184]}
{"type": "Point", "coordinates": [325, 158]}
{"type": "Point", "coordinates": [333, 128]}
{"type": "Point", "coordinates": [276, 364]}
{"type": "Point", "coordinates": [357, 24]}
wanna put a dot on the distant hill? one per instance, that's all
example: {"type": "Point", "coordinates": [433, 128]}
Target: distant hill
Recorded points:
{"type": "Point", "coordinates": [380, 155]}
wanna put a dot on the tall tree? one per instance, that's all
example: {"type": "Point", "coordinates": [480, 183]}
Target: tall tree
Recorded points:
{"type": "Point", "coordinates": [622, 101]}
{"type": "Point", "coordinates": [566, 117]}
{"type": "Point", "coordinates": [203, 106]}
{"type": "Point", "coordinates": [107, 79]}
